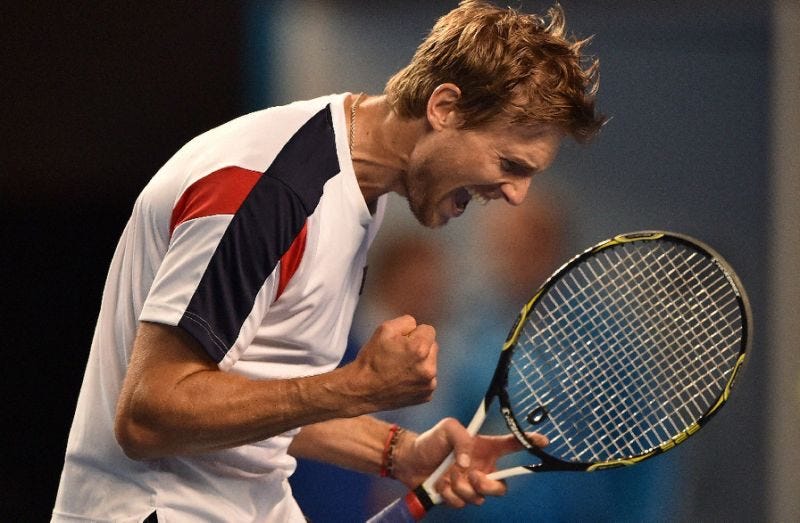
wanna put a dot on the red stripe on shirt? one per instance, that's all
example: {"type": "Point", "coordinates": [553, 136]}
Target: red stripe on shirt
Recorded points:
{"type": "Point", "coordinates": [291, 260]}
{"type": "Point", "coordinates": [221, 192]}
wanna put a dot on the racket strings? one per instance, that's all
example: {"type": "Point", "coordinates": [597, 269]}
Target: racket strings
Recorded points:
{"type": "Point", "coordinates": [661, 343]}
{"type": "Point", "coordinates": [622, 330]}
{"type": "Point", "coordinates": [649, 328]}
{"type": "Point", "coordinates": [610, 367]}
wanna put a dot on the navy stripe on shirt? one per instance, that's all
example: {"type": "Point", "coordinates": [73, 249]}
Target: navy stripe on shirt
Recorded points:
{"type": "Point", "coordinates": [260, 232]}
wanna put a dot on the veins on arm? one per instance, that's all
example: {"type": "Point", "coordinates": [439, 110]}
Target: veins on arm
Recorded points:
{"type": "Point", "coordinates": [175, 400]}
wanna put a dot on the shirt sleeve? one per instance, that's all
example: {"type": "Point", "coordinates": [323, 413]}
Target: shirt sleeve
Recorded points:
{"type": "Point", "coordinates": [218, 277]}
{"type": "Point", "coordinates": [228, 233]}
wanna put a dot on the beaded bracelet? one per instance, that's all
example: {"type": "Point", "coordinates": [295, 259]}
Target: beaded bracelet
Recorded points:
{"type": "Point", "coordinates": [387, 460]}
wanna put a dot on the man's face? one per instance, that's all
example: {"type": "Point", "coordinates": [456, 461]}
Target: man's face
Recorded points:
{"type": "Point", "coordinates": [449, 167]}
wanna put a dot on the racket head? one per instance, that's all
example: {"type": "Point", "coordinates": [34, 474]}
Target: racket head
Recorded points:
{"type": "Point", "coordinates": [624, 352]}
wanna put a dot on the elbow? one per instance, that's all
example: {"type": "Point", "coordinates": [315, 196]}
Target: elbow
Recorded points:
{"type": "Point", "coordinates": [138, 442]}
{"type": "Point", "coordinates": [130, 440]}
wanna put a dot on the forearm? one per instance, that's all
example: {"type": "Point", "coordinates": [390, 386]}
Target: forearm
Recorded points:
{"type": "Point", "coordinates": [189, 406]}
{"type": "Point", "coordinates": [176, 401]}
{"type": "Point", "coordinates": [358, 444]}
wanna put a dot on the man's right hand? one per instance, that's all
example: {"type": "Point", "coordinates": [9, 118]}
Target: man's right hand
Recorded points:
{"type": "Point", "coordinates": [397, 366]}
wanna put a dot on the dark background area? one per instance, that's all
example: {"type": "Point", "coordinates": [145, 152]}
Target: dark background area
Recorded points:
{"type": "Point", "coordinates": [95, 98]}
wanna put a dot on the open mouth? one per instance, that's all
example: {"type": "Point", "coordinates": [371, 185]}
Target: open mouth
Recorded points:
{"type": "Point", "coordinates": [464, 195]}
{"type": "Point", "coordinates": [461, 197]}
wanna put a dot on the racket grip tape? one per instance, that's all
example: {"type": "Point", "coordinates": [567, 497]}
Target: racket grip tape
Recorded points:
{"type": "Point", "coordinates": [409, 509]}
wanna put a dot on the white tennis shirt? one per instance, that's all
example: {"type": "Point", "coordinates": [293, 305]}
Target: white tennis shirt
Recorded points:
{"type": "Point", "coordinates": [253, 238]}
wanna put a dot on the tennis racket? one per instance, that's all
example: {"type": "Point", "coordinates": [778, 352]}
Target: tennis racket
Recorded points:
{"type": "Point", "coordinates": [624, 352]}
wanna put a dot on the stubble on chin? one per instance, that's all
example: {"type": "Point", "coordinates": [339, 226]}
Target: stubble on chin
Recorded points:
{"type": "Point", "coordinates": [418, 214]}
{"type": "Point", "coordinates": [425, 214]}
{"type": "Point", "coordinates": [419, 205]}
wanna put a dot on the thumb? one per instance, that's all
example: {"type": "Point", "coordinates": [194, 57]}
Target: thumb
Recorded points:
{"type": "Point", "coordinates": [459, 440]}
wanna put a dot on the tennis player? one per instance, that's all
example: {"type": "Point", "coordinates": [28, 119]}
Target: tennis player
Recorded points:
{"type": "Point", "coordinates": [229, 298]}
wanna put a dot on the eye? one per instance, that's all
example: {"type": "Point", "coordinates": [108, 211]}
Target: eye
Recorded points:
{"type": "Point", "coordinates": [512, 167]}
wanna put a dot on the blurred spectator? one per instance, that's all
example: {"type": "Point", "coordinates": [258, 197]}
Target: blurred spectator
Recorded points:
{"type": "Point", "coordinates": [405, 276]}
{"type": "Point", "coordinates": [522, 246]}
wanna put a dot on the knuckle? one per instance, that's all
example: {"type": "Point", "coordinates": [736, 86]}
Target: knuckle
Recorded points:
{"type": "Point", "coordinates": [383, 330]}
{"type": "Point", "coordinates": [406, 323]}
{"type": "Point", "coordinates": [420, 349]}
{"type": "Point", "coordinates": [464, 490]}
{"type": "Point", "coordinates": [428, 374]}
{"type": "Point", "coordinates": [428, 330]}
{"type": "Point", "coordinates": [450, 422]}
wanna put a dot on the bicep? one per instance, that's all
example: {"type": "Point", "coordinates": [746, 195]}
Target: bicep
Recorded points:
{"type": "Point", "coordinates": [162, 357]}
{"type": "Point", "coordinates": [167, 354]}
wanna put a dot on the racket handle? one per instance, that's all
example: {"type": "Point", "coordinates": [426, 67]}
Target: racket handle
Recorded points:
{"type": "Point", "coordinates": [419, 501]}
{"type": "Point", "coordinates": [405, 510]}
{"type": "Point", "coordinates": [507, 473]}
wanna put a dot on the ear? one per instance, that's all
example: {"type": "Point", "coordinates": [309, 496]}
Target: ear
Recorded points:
{"type": "Point", "coordinates": [441, 110]}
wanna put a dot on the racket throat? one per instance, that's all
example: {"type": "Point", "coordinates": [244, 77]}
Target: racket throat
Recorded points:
{"type": "Point", "coordinates": [514, 427]}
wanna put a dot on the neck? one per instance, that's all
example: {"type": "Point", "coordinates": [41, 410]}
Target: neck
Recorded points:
{"type": "Point", "coordinates": [383, 145]}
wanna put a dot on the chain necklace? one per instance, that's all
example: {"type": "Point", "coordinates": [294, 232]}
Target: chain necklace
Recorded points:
{"type": "Point", "coordinates": [353, 122]}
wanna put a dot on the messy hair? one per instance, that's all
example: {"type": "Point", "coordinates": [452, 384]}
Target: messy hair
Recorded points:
{"type": "Point", "coordinates": [513, 66]}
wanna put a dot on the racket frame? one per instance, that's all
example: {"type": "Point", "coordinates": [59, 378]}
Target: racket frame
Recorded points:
{"type": "Point", "coordinates": [497, 387]}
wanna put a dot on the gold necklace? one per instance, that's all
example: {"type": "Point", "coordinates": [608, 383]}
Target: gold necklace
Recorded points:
{"type": "Point", "coordinates": [353, 122]}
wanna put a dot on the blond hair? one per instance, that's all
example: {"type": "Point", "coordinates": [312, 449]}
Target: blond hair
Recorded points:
{"type": "Point", "coordinates": [507, 64]}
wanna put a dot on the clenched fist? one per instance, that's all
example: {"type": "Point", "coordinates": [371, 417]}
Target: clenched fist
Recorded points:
{"type": "Point", "coordinates": [397, 366]}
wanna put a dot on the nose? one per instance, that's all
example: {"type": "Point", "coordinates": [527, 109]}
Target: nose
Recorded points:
{"type": "Point", "coordinates": [514, 191]}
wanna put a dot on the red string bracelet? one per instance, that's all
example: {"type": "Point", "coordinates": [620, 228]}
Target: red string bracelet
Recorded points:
{"type": "Point", "coordinates": [387, 459]}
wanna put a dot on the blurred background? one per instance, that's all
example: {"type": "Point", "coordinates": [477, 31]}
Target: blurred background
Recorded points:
{"type": "Point", "coordinates": [703, 140]}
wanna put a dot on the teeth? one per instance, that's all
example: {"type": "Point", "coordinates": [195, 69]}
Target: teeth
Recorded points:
{"type": "Point", "coordinates": [477, 196]}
